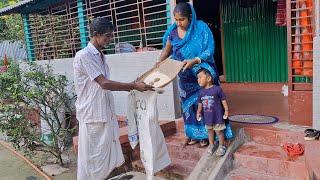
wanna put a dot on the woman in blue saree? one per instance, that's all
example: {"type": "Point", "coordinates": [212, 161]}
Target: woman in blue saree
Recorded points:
{"type": "Point", "coordinates": [191, 41]}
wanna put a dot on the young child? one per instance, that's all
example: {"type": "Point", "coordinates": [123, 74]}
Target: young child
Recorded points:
{"type": "Point", "coordinates": [211, 111]}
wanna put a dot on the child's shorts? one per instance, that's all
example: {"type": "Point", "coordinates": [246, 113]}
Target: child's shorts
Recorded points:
{"type": "Point", "coordinates": [216, 127]}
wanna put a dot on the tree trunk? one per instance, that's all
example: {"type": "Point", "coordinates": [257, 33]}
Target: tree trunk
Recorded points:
{"type": "Point", "coordinates": [60, 159]}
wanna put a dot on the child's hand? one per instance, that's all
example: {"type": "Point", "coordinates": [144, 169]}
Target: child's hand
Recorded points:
{"type": "Point", "coordinates": [198, 116]}
{"type": "Point", "coordinates": [226, 115]}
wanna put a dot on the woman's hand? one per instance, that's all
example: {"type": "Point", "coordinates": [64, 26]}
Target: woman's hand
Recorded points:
{"type": "Point", "coordinates": [190, 63]}
{"type": "Point", "coordinates": [199, 116]}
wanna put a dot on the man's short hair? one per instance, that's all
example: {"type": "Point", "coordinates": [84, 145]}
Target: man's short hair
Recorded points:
{"type": "Point", "coordinates": [100, 25]}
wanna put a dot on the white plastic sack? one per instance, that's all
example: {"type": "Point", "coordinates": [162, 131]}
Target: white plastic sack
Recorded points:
{"type": "Point", "coordinates": [132, 121]}
{"type": "Point", "coordinates": [124, 47]}
{"type": "Point", "coordinates": [143, 118]}
{"type": "Point", "coordinates": [285, 90]}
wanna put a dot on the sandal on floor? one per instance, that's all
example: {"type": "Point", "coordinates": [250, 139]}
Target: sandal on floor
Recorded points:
{"type": "Point", "coordinates": [309, 131]}
{"type": "Point", "coordinates": [185, 142]}
{"type": "Point", "coordinates": [192, 142]}
{"type": "Point", "coordinates": [204, 143]}
{"type": "Point", "coordinates": [311, 134]}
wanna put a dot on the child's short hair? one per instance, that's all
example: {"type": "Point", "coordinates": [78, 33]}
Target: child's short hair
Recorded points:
{"type": "Point", "coordinates": [206, 72]}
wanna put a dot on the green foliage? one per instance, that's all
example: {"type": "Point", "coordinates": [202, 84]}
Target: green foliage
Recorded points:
{"type": "Point", "coordinates": [2, 61]}
{"type": "Point", "coordinates": [23, 92]}
{"type": "Point", "coordinates": [11, 27]}
{"type": "Point", "coordinates": [4, 3]}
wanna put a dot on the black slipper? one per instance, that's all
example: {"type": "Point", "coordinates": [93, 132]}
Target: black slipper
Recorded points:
{"type": "Point", "coordinates": [311, 134]}
{"type": "Point", "coordinates": [126, 177]}
{"type": "Point", "coordinates": [122, 177]}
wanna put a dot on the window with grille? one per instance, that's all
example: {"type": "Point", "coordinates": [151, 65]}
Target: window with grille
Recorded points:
{"type": "Point", "coordinates": [55, 31]}
{"type": "Point", "coordinates": [142, 23]}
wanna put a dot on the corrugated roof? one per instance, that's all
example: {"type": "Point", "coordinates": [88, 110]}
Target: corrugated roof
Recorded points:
{"type": "Point", "coordinates": [14, 50]}
{"type": "Point", "coordinates": [13, 8]}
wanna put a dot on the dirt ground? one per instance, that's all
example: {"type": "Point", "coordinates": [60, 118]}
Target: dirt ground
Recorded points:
{"type": "Point", "coordinates": [12, 167]}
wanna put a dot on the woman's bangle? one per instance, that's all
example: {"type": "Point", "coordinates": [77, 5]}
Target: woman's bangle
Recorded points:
{"type": "Point", "coordinates": [199, 60]}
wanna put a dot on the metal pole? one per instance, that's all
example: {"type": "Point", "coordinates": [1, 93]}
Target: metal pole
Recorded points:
{"type": "Point", "coordinates": [82, 24]}
{"type": "Point", "coordinates": [28, 37]}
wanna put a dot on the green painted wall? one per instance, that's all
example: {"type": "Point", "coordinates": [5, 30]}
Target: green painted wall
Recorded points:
{"type": "Point", "coordinates": [255, 48]}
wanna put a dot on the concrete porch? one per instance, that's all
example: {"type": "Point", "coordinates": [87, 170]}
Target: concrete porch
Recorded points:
{"type": "Point", "coordinates": [257, 99]}
{"type": "Point", "coordinates": [263, 147]}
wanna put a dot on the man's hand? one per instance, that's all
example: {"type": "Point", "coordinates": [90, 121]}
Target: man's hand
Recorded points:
{"type": "Point", "coordinates": [140, 86]}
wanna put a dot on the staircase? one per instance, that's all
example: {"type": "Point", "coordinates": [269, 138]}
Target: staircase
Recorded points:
{"type": "Point", "coordinates": [184, 159]}
{"type": "Point", "coordinates": [263, 157]}
{"type": "Point", "coordinates": [260, 157]}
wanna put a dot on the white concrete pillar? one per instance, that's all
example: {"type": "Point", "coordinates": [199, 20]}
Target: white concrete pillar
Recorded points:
{"type": "Point", "coordinates": [172, 5]}
{"type": "Point", "coordinates": [317, 16]}
{"type": "Point", "coordinates": [316, 68]}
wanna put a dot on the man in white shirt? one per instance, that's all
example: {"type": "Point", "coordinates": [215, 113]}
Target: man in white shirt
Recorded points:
{"type": "Point", "coordinates": [99, 149]}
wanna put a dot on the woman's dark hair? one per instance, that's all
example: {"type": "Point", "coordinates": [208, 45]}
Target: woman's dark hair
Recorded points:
{"type": "Point", "coordinates": [183, 8]}
{"type": "Point", "coordinates": [100, 25]}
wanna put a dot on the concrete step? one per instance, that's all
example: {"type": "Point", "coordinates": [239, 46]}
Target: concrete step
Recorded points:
{"type": "Point", "coordinates": [273, 136]}
{"type": "Point", "coordinates": [168, 128]}
{"type": "Point", "coordinates": [135, 176]}
{"type": "Point", "coordinates": [184, 159]}
{"type": "Point", "coordinates": [175, 170]}
{"type": "Point", "coordinates": [270, 160]}
{"type": "Point", "coordinates": [313, 158]}
{"type": "Point", "coordinates": [176, 150]}
{"type": "Point", "coordinates": [242, 173]}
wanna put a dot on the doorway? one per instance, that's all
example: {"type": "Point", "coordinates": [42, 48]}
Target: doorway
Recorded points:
{"type": "Point", "coordinates": [209, 12]}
